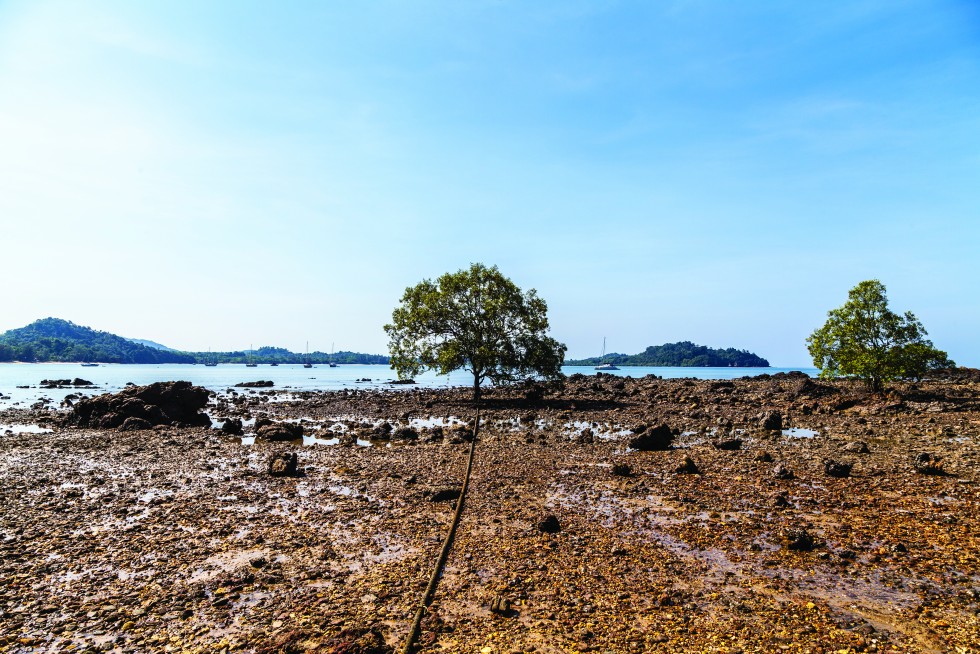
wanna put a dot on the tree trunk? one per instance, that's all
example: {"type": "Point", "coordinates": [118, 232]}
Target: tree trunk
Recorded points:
{"type": "Point", "coordinates": [476, 387]}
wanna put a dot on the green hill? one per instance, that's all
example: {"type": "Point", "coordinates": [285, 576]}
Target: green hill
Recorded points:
{"type": "Point", "coordinates": [53, 339]}
{"type": "Point", "coordinates": [684, 354]}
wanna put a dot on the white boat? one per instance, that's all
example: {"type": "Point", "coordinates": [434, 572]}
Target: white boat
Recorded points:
{"type": "Point", "coordinates": [605, 366]}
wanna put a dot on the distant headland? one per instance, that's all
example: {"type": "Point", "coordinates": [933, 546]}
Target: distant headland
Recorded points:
{"type": "Point", "coordinates": [684, 354]}
{"type": "Point", "coordinates": [54, 339]}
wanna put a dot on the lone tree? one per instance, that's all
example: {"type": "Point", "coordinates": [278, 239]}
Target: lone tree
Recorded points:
{"type": "Point", "coordinates": [476, 320]}
{"type": "Point", "coordinates": [865, 339]}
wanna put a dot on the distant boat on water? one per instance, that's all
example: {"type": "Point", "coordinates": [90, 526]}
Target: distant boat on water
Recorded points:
{"type": "Point", "coordinates": [90, 365]}
{"type": "Point", "coordinates": [210, 361]}
{"type": "Point", "coordinates": [306, 360]}
{"type": "Point", "coordinates": [249, 362]}
{"type": "Point", "coordinates": [605, 366]}
{"type": "Point", "coordinates": [332, 363]}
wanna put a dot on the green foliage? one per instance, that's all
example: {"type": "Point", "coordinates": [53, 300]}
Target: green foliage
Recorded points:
{"type": "Point", "coordinates": [683, 354]}
{"type": "Point", "coordinates": [52, 339]}
{"type": "Point", "coordinates": [865, 339]}
{"type": "Point", "coordinates": [476, 320]}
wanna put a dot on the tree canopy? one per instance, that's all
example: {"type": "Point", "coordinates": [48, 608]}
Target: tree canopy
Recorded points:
{"type": "Point", "coordinates": [865, 339]}
{"type": "Point", "coordinates": [475, 320]}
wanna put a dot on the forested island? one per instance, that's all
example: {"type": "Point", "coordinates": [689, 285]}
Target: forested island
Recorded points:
{"type": "Point", "coordinates": [54, 339]}
{"type": "Point", "coordinates": [683, 354]}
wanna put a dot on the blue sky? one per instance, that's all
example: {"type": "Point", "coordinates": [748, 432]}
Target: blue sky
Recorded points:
{"type": "Point", "coordinates": [230, 173]}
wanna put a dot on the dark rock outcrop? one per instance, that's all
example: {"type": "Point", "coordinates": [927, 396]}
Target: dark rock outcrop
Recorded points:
{"type": "Point", "coordinates": [279, 431]}
{"type": "Point", "coordinates": [163, 403]}
{"type": "Point", "coordinates": [651, 439]}
{"type": "Point", "coordinates": [262, 383]}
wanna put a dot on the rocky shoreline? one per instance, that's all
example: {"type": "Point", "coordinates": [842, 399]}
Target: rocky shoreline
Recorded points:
{"type": "Point", "coordinates": [784, 514]}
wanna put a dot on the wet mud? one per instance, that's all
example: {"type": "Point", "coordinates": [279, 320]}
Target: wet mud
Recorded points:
{"type": "Point", "coordinates": [175, 539]}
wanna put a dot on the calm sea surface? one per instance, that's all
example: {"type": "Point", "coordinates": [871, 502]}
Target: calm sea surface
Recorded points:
{"type": "Point", "coordinates": [113, 377]}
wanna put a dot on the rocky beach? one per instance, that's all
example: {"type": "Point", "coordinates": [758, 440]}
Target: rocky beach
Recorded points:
{"type": "Point", "coordinates": [775, 513]}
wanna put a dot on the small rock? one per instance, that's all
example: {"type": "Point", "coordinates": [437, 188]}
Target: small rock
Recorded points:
{"type": "Point", "coordinates": [549, 524]}
{"type": "Point", "coordinates": [687, 466]}
{"type": "Point", "coordinates": [500, 605]}
{"type": "Point", "coordinates": [798, 539]}
{"type": "Point", "coordinates": [857, 447]}
{"type": "Point", "coordinates": [728, 444]}
{"type": "Point", "coordinates": [837, 469]}
{"type": "Point", "coordinates": [444, 495]}
{"type": "Point", "coordinates": [782, 472]}
{"type": "Point", "coordinates": [771, 421]}
{"type": "Point", "coordinates": [621, 470]}
{"type": "Point", "coordinates": [652, 439]}
{"type": "Point", "coordinates": [283, 464]}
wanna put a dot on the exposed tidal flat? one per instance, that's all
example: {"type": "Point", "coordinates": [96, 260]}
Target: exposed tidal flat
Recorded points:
{"type": "Point", "coordinates": [20, 383]}
{"type": "Point", "coordinates": [783, 514]}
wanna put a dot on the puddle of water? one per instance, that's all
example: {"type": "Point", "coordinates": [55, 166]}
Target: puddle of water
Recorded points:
{"type": "Point", "coordinates": [799, 432]}
{"type": "Point", "coordinates": [313, 440]}
{"type": "Point", "coordinates": [19, 428]}
{"type": "Point", "coordinates": [428, 423]}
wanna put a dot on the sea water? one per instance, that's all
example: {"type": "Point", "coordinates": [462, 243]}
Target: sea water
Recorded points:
{"type": "Point", "coordinates": [109, 378]}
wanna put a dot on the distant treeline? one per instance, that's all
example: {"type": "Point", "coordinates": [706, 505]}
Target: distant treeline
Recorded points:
{"type": "Point", "coordinates": [684, 354]}
{"type": "Point", "coordinates": [53, 339]}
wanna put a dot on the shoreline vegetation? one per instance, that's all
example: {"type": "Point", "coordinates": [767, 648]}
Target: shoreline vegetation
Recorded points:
{"type": "Point", "coordinates": [55, 340]}
{"type": "Point", "coordinates": [683, 354]}
{"type": "Point", "coordinates": [607, 514]}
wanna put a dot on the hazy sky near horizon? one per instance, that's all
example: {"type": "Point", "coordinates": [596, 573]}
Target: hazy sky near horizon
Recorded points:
{"type": "Point", "coordinates": [221, 174]}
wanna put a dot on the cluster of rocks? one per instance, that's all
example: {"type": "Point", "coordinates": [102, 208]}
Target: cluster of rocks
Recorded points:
{"type": "Point", "coordinates": [142, 407]}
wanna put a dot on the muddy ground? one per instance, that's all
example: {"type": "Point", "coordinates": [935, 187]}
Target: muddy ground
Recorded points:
{"type": "Point", "coordinates": [177, 539]}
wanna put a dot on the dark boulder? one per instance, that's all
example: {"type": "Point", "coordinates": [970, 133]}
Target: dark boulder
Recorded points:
{"type": "Point", "coordinates": [928, 464]}
{"type": "Point", "coordinates": [163, 403]}
{"type": "Point", "coordinates": [405, 434]}
{"type": "Point", "coordinates": [622, 470]}
{"type": "Point", "coordinates": [279, 431]}
{"type": "Point", "coordinates": [798, 539]}
{"type": "Point", "coordinates": [549, 524]}
{"type": "Point", "coordinates": [282, 464]}
{"type": "Point", "coordinates": [444, 495]}
{"type": "Point", "coordinates": [687, 467]}
{"type": "Point", "coordinates": [135, 424]}
{"type": "Point", "coordinates": [771, 421]}
{"type": "Point", "coordinates": [728, 444]}
{"type": "Point", "coordinates": [653, 439]}
{"type": "Point", "coordinates": [255, 384]}
{"type": "Point", "coordinates": [837, 469]}
{"type": "Point", "coordinates": [232, 427]}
